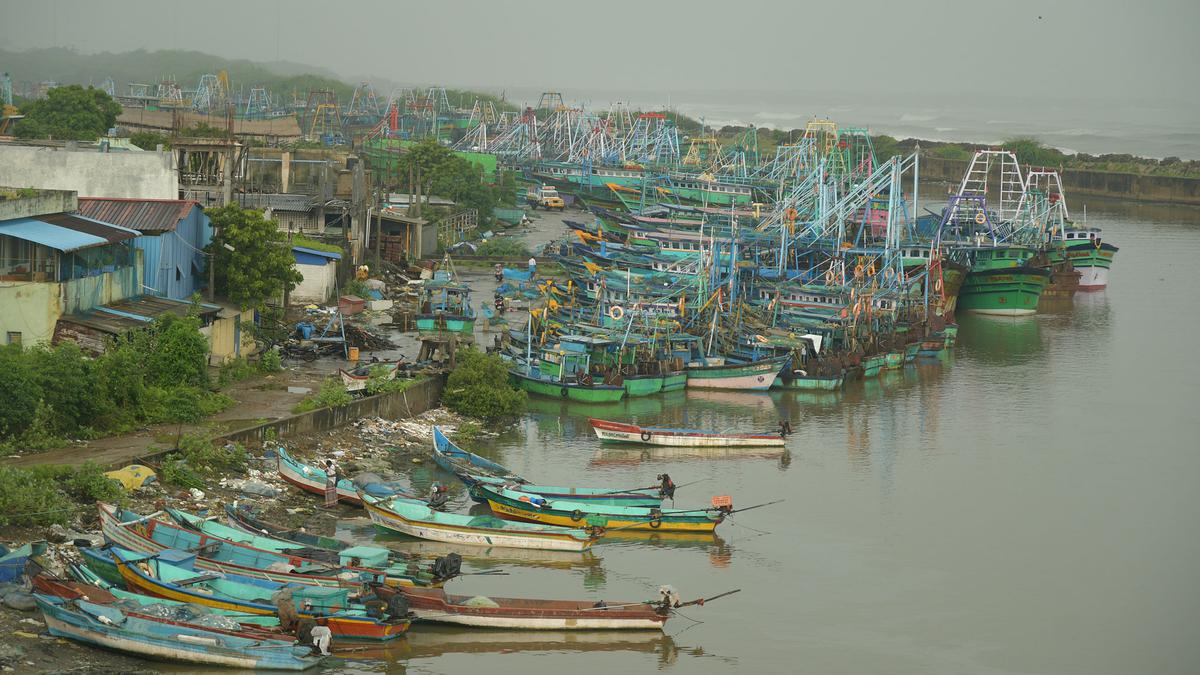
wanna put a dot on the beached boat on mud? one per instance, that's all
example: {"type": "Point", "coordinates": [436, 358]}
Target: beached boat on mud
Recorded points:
{"type": "Point", "coordinates": [454, 459]}
{"type": "Point", "coordinates": [110, 628]}
{"type": "Point", "coordinates": [313, 479]}
{"type": "Point", "coordinates": [511, 503]}
{"type": "Point", "coordinates": [150, 535]}
{"type": "Point", "coordinates": [531, 614]}
{"type": "Point", "coordinates": [172, 574]}
{"type": "Point", "coordinates": [619, 432]}
{"type": "Point", "coordinates": [357, 379]}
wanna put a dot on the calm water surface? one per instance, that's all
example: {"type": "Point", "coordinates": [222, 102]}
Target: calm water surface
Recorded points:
{"type": "Point", "coordinates": [1027, 505]}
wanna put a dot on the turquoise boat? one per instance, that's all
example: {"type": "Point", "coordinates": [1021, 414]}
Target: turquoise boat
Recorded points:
{"type": "Point", "coordinates": [642, 385]}
{"type": "Point", "coordinates": [675, 381]}
{"type": "Point", "coordinates": [871, 365]}
{"type": "Point", "coordinates": [566, 513]}
{"type": "Point", "coordinates": [712, 373]}
{"type": "Point", "coordinates": [457, 461]}
{"type": "Point", "coordinates": [445, 307]}
{"type": "Point", "coordinates": [171, 574]}
{"type": "Point", "coordinates": [893, 360]}
{"type": "Point", "coordinates": [12, 561]}
{"type": "Point", "coordinates": [108, 627]}
{"type": "Point", "coordinates": [910, 351]}
{"type": "Point", "coordinates": [808, 382]}
{"type": "Point", "coordinates": [564, 373]}
{"type": "Point", "coordinates": [1001, 283]}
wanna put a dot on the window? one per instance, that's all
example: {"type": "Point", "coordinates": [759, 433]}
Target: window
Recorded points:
{"type": "Point", "coordinates": [14, 337]}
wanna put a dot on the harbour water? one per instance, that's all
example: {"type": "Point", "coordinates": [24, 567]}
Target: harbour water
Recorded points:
{"type": "Point", "coordinates": [1026, 505]}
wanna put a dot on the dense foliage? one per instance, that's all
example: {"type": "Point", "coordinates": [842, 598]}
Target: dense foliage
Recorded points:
{"type": "Point", "coordinates": [332, 394]}
{"type": "Point", "coordinates": [503, 247]}
{"type": "Point", "coordinates": [445, 174]}
{"type": "Point", "coordinates": [46, 495]}
{"type": "Point", "coordinates": [478, 387]}
{"type": "Point", "coordinates": [158, 374]}
{"type": "Point", "coordinates": [261, 264]}
{"type": "Point", "coordinates": [69, 113]}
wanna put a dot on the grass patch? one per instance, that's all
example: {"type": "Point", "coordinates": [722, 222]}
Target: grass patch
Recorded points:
{"type": "Point", "coordinates": [332, 394]}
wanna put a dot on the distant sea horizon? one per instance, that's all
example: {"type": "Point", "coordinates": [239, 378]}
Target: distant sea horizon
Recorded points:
{"type": "Point", "coordinates": [1130, 126]}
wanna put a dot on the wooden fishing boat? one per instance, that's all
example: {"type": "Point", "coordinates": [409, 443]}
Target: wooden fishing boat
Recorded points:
{"type": "Point", "coordinates": [872, 364]}
{"type": "Point", "coordinates": [110, 628]}
{"type": "Point", "coordinates": [574, 390]}
{"type": "Point", "coordinates": [690, 438]}
{"type": "Point", "coordinates": [312, 479]}
{"type": "Point", "coordinates": [448, 456]}
{"type": "Point", "coordinates": [172, 575]}
{"type": "Point", "coordinates": [12, 561]}
{"type": "Point", "coordinates": [149, 535]}
{"type": "Point", "coordinates": [522, 506]}
{"type": "Point", "coordinates": [609, 456]}
{"type": "Point", "coordinates": [415, 519]}
{"type": "Point", "coordinates": [357, 379]}
{"type": "Point", "coordinates": [367, 557]}
{"type": "Point", "coordinates": [529, 614]}
{"type": "Point", "coordinates": [755, 376]}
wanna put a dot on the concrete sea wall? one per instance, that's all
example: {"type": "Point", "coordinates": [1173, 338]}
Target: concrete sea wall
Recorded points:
{"type": "Point", "coordinates": [1077, 182]}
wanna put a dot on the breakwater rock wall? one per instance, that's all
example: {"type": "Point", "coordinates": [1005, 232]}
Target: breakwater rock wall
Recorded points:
{"type": "Point", "coordinates": [1080, 182]}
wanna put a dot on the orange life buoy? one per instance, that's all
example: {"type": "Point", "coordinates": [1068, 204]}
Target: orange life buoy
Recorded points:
{"type": "Point", "coordinates": [845, 312]}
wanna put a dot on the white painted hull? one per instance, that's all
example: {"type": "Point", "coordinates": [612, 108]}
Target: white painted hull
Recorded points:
{"type": "Point", "coordinates": [1092, 278]}
{"type": "Point", "coordinates": [149, 650]}
{"type": "Point", "coordinates": [532, 623]}
{"type": "Point", "coordinates": [753, 381]}
{"type": "Point", "coordinates": [685, 441]}
{"type": "Point", "coordinates": [454, 536]}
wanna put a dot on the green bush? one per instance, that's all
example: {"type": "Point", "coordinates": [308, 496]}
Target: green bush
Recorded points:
{"type": "Point", "coordinates": [47, 495]}
{"type": "Point", "coordinates": [271, 361]}
{"type": "Point", "coordinates": [235, 371]}
{"type": "Point", "coordinates": [198, 459]}
{"type": "Point", "coordinates": [478, 387]}
{"type": "Point", "coordinates": [380, 384]}
{"type": "Point", "coordinates": [357, 288]}
{"type": "Point", "coordinates": [332, 394]}
{"type": "Point", "coordinates": [950, 151]}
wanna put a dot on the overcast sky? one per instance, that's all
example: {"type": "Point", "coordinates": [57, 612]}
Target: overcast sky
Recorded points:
{"type": "Point", "coordinates": [1076, 48]}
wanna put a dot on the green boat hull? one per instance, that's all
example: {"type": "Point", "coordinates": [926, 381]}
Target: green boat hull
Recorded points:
{"type": "Point", "coordinates": [434, 323]}
{"type": "Point", "coordinates": [873, 364]}
{"type": "Point", "coordinates": [809, 383]}
{"type": "Point", "coordinates": [643, 385]}
{"type": "Point", "coordinates": [675, 381]}
{"type": "Point", "coordinates": [1005, 292]}
{"type": "Point", "coordinates": [893, 360]}
{"type": "Point", "coordinates": [910, 351]}
{"type": "Point", "coordinates": [569, 391]}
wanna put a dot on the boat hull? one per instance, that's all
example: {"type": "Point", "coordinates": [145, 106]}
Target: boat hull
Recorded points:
{"type": "Point", "coordinates": [757, 376]}
{"type": "Point", "coordinates": [510, 509]}
{"type": "Point", "coordinates": [643, 385]}
{"type": "Point", "coordinates": [393, 522]}
{"type": "Point", "coordinates": [631, 433]}
{"type": "Point", "coordinates": [569, 391]}
{"type": "Point", "coordinates": [675, 381]}
{"type": "Point", "coordinates": [1003, 292]}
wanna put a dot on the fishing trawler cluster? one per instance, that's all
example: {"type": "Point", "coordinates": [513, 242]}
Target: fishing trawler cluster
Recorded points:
{"type": "Point", "coordinates": [719, 268]}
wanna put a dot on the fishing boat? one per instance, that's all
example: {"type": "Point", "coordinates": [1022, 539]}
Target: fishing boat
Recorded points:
{"type": "Point", "coordinates": [110, 628]}
{"type": "Point", "coordinates": [512, 503]}
{"type": "Point", "coordinates": [451, 458]}
{"type": "Point", "coordinates": [415, 519]}
{"type": "Point", "coordinates": [150, 535]}
{"type": "Point", "coordinates": [12, 561]}
{"type": "Point", "coordinates": [171, 574]}
{"type": "Point", "coordinates": [369, 557]}
{"type": "Point", "coordinates": [445, 307]}
{"type": "Point", "coordinates": [357, 379]}
{"type": "Point", "coordinates": [1090, 256]}
{"type": "Point", "coordinates": [690, 438]}
{"type": "Point", "coordinates": [313, 479]}
{"type": "Point", "coordinates": [564, 373]}
{"type": "Point", "coordinates": [1001, 283]}
{"type": "Point", "coordinates": [714, 373]}
{"type": "Point", "coordinates": [529, 614]}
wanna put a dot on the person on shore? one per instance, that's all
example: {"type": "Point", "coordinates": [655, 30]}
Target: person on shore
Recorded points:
{"type": "Point", "coordinates": [532, 267]}
{"type": "Point", "coordinates": [331, 481]}
{"type": "Point", "coordinates": [499, 270]}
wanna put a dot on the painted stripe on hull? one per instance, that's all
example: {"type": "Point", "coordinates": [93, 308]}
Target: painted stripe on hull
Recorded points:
{"type": "Point", "coordinates": [141, 648]}
{"type": "Point", "coordinates": [614, 522]}
{"type": "Point", "coordinates": [686, 441]}
{"type": "Point", "coordinates": [1093, 278]}
{"type": "Point", "coordinates": [453, 535]}
{"type": "Point", "coordinates": [531, 623]}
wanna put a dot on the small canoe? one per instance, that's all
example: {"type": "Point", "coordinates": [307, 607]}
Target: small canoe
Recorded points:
{"type": "Point", "coordinates": [149, 535]}
{"type": "Point", "coordinates": [110, 628]}
{"type": "Point", "coordinates": [530, 614]}
{"type": "Point", "coordinates": [171, 574]}
{"type": "Point", "coordinates": [686, 438]}
{"type": "Point", "coordinates": [522, 506]}
{"type": "Point", "coordinates": [312, 479]}
{"type": "Point", "coordinates": [415, 519]}
{"type": "Point", "coordinates": [459, 462]}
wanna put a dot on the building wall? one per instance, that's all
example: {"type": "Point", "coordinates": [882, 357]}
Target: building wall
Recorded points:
{"type": "Point", "coordinates": [80, 295]}
{"type": "Point", "coordinates": [317, 286]}
{"type": "Point", "coordinates": [174, 262]}
{"type": "Point", "coordinates": [229, 337]}
{"type": "Point", "coordinates": [136, 175]}
{"type": "Point", "coordinates": [31, 309]}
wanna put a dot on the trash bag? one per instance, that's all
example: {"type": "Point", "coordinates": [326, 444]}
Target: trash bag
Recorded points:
{"type": "Point", "coordinates": [447, 566]}
{"type": "Point", "coordinates": [259, 489]}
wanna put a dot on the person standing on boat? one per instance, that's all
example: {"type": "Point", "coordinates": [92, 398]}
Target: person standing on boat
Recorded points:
{"type": "Point", "coordinates": [331, 481]}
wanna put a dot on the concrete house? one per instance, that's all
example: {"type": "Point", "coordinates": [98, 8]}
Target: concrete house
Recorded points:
{"type": "Point", "coordinates": [319, 269]}
{"type": "Point", "coordinates": [53, 262]}
{"type": "Point", "coordinates": [174, 233]}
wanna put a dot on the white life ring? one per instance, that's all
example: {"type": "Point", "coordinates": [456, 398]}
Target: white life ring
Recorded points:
{"type": "Point", "coordinates": [616, 312]}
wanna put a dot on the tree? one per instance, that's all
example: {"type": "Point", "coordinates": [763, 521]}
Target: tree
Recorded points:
{"type": "Point", "coordinates": [445, 174]}
{"type": "Point", "coordinates": [478, 386]}
{"type": "Point", "coordinates": [260, 265]}
{"type": "Point", "coordinates": [148, 140]}
{"type": "Point", "coordinates": [70, 113]}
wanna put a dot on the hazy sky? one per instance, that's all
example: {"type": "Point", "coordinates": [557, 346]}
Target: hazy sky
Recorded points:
{"type": "Point", "coordinates": [1076, 48]}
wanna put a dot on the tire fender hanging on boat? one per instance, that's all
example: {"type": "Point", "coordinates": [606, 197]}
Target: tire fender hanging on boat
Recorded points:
{"type": "Point", "coordinates": [645, 435]}
{"type": "Point", "coordinates": [577, 515]}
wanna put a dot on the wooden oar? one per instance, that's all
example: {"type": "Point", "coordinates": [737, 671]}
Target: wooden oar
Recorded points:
{"type": "Point", "coordinates": [701, 601]}
{"type": "Point", "coordinates": [654, 487]}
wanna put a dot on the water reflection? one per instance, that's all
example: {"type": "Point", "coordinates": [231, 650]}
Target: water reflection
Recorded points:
{"type": "Point", "coordinates": [998, 340]}
{"type": "Point", "coordinates": [635, 455]}
{"type": "Point", "coordinates": [427, 641]}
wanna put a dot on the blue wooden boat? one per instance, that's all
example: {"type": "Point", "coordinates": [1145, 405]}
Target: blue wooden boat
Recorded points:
{"type": "Point", "coordinates": [460, 462]}
{"type": "Point", "coordinates": [12, 561]}
{"type": "Point", "coordinates": [108, 627]}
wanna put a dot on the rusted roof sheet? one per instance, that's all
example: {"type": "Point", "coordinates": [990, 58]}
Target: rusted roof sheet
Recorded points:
{"type": "Point", "coordinates": [145, 215]}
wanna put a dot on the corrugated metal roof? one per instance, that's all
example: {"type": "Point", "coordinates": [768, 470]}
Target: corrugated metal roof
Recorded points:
{"type": "Point", "coordinates": [276, 201]}
{"type": "Point", "coordinates": [146, 215]}
{"type": "Point", "coordinates": [109, 231]}
{"type": "Point", "coordinates": [322, 254]}
{"type": "Point", "coordinates": [40, 232]}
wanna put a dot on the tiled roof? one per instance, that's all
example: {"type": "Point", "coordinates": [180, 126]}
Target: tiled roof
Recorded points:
{"type": "Point", "coordinates": [145, 215]}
